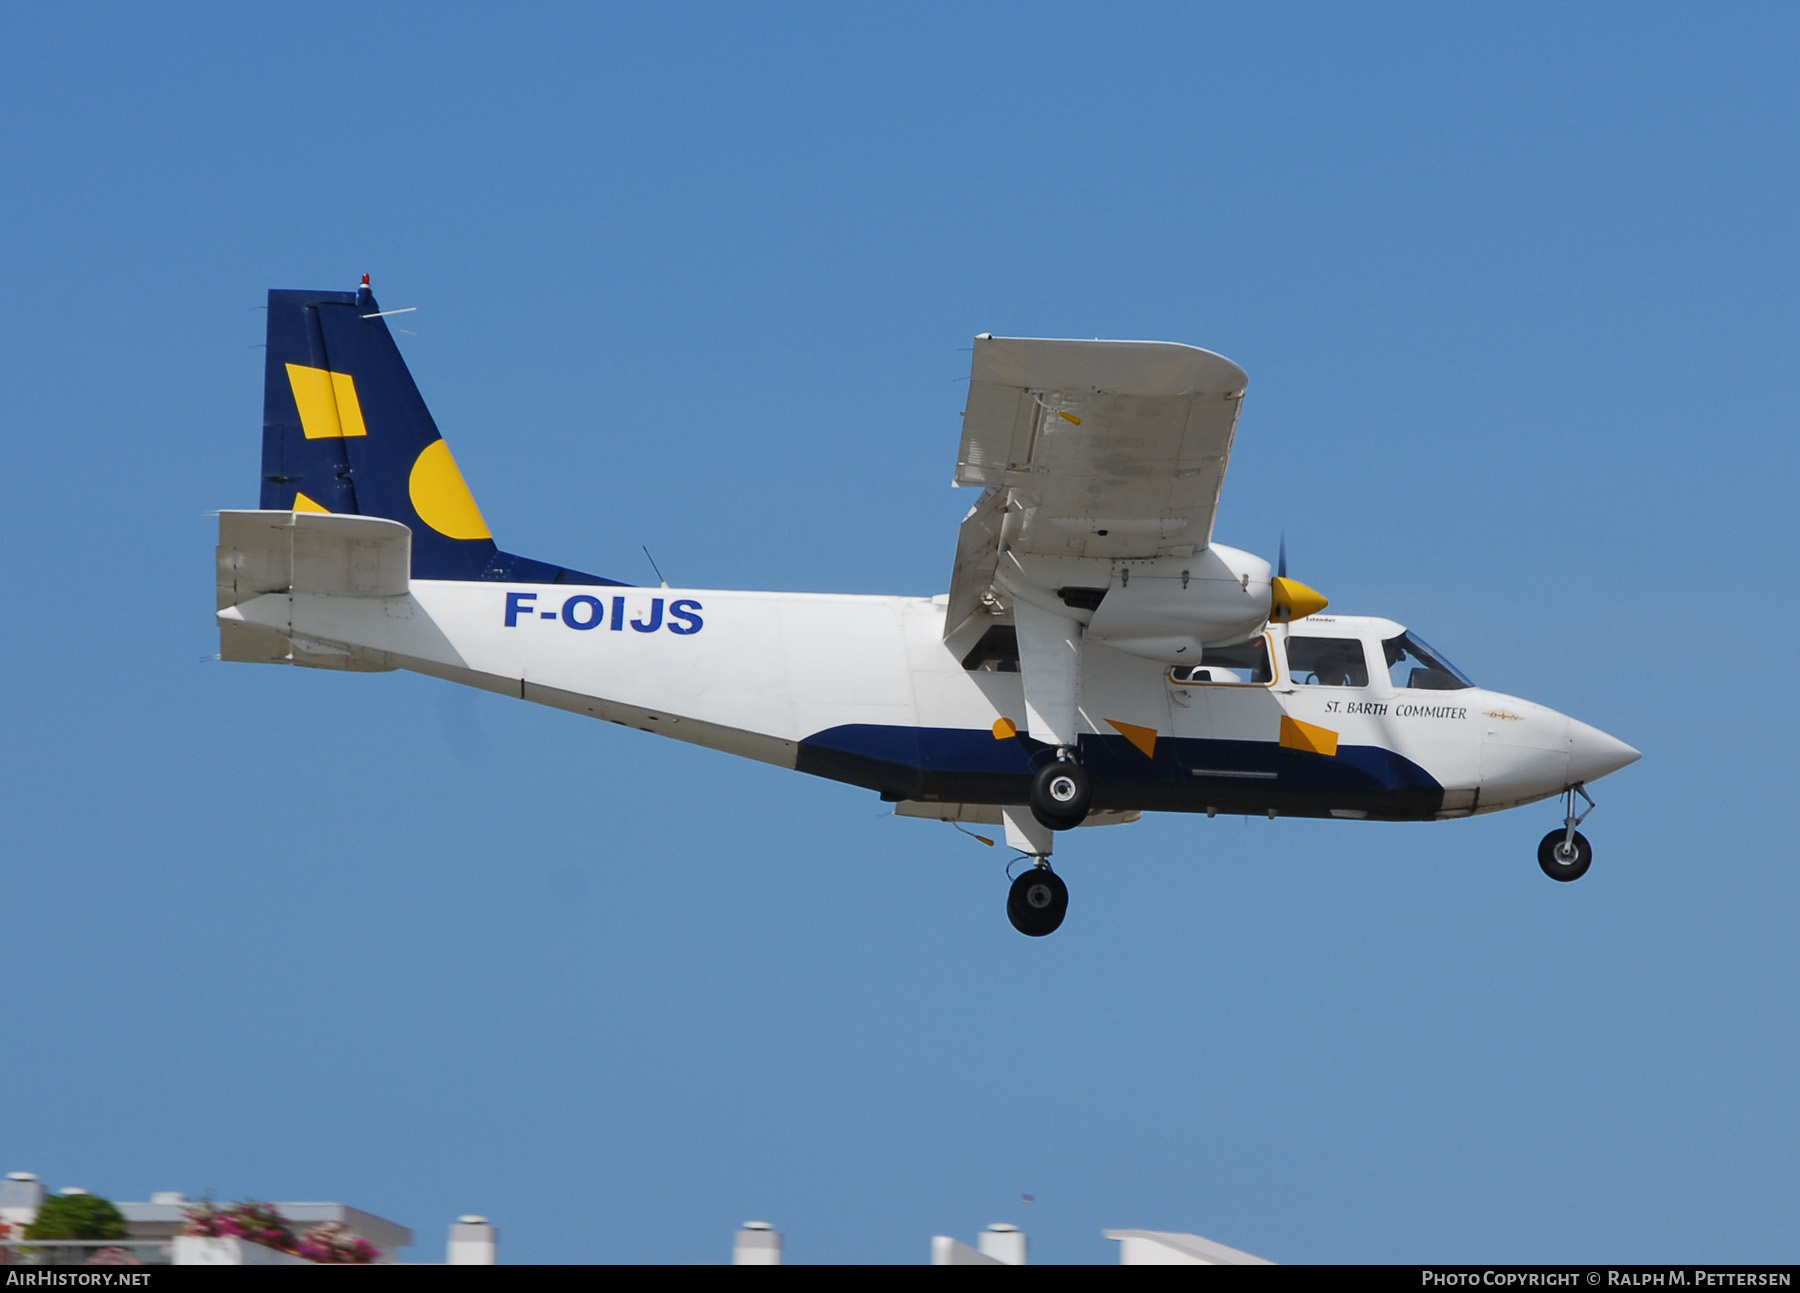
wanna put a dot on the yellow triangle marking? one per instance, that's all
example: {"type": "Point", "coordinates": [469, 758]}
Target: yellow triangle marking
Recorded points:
{"type": "Point", "coordinates": [1142, 737]}
{"type": "Point", "coordinates": [1309, 737]}
{"type": "Point", "coordinates": [1004, 730]}
{"type": "Point", "coordinates": [304, 504]}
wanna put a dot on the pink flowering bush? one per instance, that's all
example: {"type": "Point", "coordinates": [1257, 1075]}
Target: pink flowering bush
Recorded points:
{"type": "Point", "coordinates": [261, 1223]}
{"type": "Point", "coordinates": [332, 1242]}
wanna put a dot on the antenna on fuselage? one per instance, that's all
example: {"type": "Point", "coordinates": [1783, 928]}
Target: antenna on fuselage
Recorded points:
{"type": "Point", "coordinates": [654, 566]}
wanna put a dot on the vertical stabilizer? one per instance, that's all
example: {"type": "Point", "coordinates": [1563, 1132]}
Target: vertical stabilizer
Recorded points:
{"type": "Point", "coordinates": [345, 431]}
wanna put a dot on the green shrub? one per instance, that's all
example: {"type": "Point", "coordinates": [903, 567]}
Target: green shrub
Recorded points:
{"type": "Point", "coordinates": [77, 1216]}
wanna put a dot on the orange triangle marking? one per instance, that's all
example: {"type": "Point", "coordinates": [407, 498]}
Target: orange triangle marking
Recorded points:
{"type": "Point", "coordinates": [1142, 737]}
{"type": "Point", "coordinates": [1296, 735]}
{"type": "Point", "coordinates": [304, 504]}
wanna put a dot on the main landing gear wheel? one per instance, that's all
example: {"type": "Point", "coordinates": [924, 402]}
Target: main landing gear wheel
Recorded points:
{"type": "Point", "coordinates": [1060, 795]}
{"type": "Point", "coordinates": [1563, 858]}
{"type": "Point", "coordinates": [1038, 902]}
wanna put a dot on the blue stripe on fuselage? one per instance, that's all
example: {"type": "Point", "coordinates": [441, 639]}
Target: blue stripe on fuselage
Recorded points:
{"type": "Point", "coordinates": [1186, 774]}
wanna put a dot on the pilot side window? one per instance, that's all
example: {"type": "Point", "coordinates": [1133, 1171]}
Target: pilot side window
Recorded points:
{"type": "Point", "coordinates": [1413, 664]}
{"type": "Point", "coordinates": [1327, 662]}
{"type": "Point", "coordinates": [1247, 664]}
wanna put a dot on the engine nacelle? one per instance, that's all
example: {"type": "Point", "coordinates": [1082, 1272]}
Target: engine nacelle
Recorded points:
{"type": "Point", "coordinates": [1221, 598]}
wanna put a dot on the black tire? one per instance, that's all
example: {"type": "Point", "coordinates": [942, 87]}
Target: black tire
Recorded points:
{"type": "Point", "coordinates": [1038, 902]}
{"type": "Point", "coordinates": [1060, 795]}
{"type": "Point", "coordinates": [1556, 866]}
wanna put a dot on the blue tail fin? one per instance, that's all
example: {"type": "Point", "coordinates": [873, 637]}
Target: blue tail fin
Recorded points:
{"type": "Point", "coordinates": [345, 430]}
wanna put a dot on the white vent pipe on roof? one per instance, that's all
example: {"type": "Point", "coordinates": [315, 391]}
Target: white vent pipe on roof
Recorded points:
{"type": "Point", "coordinates": [1004, 1243]}
{"type": "Point", "coordinates": [474, 1241]}
{"type": "Point", "coordinates": [757, 1244]}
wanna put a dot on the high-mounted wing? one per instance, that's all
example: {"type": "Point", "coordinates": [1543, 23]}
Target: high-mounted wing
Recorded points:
{"type": "Point", "coordinates": [1104, 449]}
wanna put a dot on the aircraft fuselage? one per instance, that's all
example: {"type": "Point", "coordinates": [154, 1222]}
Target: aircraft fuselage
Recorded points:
{"type": "Point", "coordinates": [865, 690]}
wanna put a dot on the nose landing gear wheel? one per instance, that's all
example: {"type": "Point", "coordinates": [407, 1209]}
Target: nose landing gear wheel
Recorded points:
{"type": "Point", "coordinates": [1562, 860]}
{"type": "Point", "coordinates": [1038, 902]}
{"type": "Point", "coordinates": [1060, 795]}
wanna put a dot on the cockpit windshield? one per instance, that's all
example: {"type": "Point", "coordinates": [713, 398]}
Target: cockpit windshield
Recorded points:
{"type": "Point", "coordinates": [1413, 664]}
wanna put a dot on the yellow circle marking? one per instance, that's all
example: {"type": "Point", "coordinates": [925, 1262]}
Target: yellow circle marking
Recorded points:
{"type": "Point", "coordinates": [441, 497]}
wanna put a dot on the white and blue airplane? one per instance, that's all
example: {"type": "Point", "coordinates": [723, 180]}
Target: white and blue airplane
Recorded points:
{"type": "Point", "coordinates": [1098, 654]}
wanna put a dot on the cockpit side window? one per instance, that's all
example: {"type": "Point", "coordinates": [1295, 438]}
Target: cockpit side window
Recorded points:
{"type": "Point", "coordinates": [1246, 664]}
{"type": "Point", "coordinates": [1413, 664]}
{"type": "Point", "coordinates": [1327, 662]}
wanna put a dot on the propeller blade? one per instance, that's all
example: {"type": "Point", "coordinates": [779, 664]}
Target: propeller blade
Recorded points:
{"type": "Point", "coordinates": [1281, 561]}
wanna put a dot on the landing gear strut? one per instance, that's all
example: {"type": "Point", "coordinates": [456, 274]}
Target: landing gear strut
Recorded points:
{"type": "Point", "coordinates": [1038, 902]}
{"type": "Point", "coordinates": [1061, 793]}
{"type": "Point", "coordinates": [1565, 854]}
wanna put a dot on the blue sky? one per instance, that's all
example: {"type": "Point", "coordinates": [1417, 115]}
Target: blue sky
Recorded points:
{"type": "Point", "coordinates": [1515, 289]}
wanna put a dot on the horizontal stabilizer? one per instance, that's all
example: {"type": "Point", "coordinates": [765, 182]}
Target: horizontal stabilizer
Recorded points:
{"type": "Point", "coordinates": [305, 552]}
{"type": "Point", "coordinates": [281, 553]}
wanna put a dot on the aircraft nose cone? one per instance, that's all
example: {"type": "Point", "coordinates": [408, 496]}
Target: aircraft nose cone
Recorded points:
{"type": "Point", "coordinates": [1593, 754]}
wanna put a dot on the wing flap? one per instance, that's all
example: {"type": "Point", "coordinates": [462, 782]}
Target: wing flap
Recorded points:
{"type": "Point", "coordinates": [977, 559]}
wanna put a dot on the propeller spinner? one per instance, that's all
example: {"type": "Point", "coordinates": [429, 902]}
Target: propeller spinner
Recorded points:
{"type": "Point", "coordinates": [1289, 599]}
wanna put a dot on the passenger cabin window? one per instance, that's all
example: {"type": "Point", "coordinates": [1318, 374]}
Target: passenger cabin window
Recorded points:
{"type": "Point", "coordinates": [1413, 664]}
{"type": "Point", "coordinates": [1246, 664]}
{"type": "Point", "coordinates": [1327, 662]}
